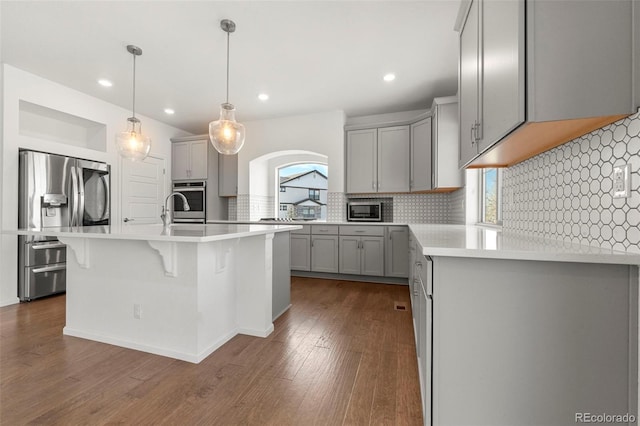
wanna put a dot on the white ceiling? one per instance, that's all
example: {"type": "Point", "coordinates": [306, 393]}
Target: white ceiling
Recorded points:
{"type": "Point", "coordinates": [309, 56]}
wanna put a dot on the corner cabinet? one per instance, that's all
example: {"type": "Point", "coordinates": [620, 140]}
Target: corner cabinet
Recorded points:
{"type": "Point", "coordinates": [378, 160]}
{"type": "Point", "coordinates": [421, 156]}
{"type": "Point", "coordinates": [397, 251]}
{"type": "Point", "coordinates": [189, 160]}
{"type": "Point", "coordinates": [445, 174]}
{"type": "Point", "coordinates": [549, 88]}
{"type": "Point", "coordinates": [228, 175]}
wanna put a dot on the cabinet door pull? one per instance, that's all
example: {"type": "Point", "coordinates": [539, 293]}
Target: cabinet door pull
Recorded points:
{"type": "Point", "coordinates": [473, 139]}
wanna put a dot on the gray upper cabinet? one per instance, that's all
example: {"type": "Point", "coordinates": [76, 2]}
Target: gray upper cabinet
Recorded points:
{"type": "Point", "coordinates": [444, 141]}
{"type": "Point", "coordinates": [393, 159]}
{"type": "Point", "coordinates": [536, 74]}
{"type": "Point", "coordinates": [189, 160]}
{"type": "Point", "coordinates": [468, 73]}
{"type": "Point", "coordinates": [362, 160]}
{"type": "Point", "coordinates": [378, 160]}
{"type": "Point", "coordinates": [491, 74]}
{"type": "Point", "coordinates": [421, 155]}
{"type": "Point", "coordinates": [502, 95]}
{"type": "Point", "coordinates": [228, 175]}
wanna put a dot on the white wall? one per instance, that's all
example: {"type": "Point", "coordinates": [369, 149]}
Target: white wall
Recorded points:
{"type": "Point", "coordinates": [3, 260]}
{"type": "Point", "coordinates": [20, 85]}
{"type": "Point", "coordinates": [321, 133]}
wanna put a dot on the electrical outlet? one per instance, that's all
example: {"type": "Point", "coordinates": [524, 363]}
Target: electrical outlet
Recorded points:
{"type": "Point", "coordinates": [137, 311]}
{"type": "Point", "coordinates": [621, 181]}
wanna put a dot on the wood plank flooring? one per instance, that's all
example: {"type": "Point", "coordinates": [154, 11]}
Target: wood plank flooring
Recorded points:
{"type": "Point", "coordinates": [340, 356]}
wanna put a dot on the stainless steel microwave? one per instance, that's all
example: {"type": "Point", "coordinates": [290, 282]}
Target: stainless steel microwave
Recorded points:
{"type": "Point", "coordinates": [364, 211]}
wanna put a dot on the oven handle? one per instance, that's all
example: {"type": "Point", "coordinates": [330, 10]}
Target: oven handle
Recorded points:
{"type": "Point", "coordinates": [188, 189]}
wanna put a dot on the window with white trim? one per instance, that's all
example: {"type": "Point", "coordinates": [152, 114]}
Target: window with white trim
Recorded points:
{"type": "Point", "coordinates": [491, 196]}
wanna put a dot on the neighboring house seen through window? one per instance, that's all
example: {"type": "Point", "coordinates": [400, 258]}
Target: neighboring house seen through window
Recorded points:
{"type": "Point", "coordinates": [303, 190]}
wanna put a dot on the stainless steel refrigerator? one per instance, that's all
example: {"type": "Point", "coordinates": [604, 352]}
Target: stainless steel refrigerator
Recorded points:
{"type": "Point", "coordinates": [55, 191]}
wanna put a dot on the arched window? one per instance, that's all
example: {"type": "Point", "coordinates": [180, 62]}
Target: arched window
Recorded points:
{"type": "Point", "coordinates": [303, 191]}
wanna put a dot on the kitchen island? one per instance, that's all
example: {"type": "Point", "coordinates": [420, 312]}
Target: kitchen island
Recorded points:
{"type": "Point", "coordinates": [180, 291]}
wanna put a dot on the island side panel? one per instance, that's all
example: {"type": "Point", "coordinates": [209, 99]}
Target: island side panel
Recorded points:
{"type": "Point", "coordinates": [254, 278]}
{"type": "Point", "coordinates": [217, 294]}
{"type": "Point", "coordinates": [101, 299]}
{"type": "Point", "coordinates": [281, 299]}
{"type": "Point", "coordinates": [527, 342]}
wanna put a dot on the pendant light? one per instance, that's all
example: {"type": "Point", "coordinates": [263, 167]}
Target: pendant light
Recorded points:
{"type": "Point", "coordinates": [227, 135]}
{"type": "Point", "coordinates": [132, 144]}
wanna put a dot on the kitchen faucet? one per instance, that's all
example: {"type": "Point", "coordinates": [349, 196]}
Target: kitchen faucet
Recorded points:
{"type": "Point", "coordinates": [166, 214]}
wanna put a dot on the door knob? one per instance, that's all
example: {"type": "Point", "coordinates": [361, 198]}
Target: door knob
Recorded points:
{"type": "Point", "coordinates": [126, 219]}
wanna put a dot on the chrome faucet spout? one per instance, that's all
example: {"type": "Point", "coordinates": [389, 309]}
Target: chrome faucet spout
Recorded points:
{"type": "Point", "coordinates": [166, 214]}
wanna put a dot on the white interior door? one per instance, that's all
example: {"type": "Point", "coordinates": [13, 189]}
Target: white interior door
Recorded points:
{"type": "Point", "coordinates": [143, 190]}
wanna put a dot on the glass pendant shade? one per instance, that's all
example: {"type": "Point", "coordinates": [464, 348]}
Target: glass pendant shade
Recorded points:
{"type": "Point", "coordinates": [227, 135]}
{"type": "Point", "coordinates": [132, 144]}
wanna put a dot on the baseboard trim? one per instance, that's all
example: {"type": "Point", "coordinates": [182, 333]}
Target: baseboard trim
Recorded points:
{"type": "Point", "coordinates": [348, 277]}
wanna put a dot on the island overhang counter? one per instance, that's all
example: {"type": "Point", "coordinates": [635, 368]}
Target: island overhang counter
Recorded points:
{"type": "Point", "coordinates": [180, 291]}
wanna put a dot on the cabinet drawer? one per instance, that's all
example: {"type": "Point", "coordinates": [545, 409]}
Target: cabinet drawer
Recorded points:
{"type": "Point", "coordinates": [324, 229]}
{"type": "Point", "coordinates": [44, 253]}
{"type": "Point", "coordinates": [306, 230]}
{"type": "Point", "coordinates": [377, 231]}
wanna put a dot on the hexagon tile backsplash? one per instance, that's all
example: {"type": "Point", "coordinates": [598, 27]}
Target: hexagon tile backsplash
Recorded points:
{"type": "Point", "coordinates": [566, 193]}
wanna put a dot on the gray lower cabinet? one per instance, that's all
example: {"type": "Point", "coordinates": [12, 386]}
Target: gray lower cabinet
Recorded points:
{"type": "Point", "coordinates": [361, 255]}
{"type": "Point", "coordinates": [324, 253]}
{"type": "Point", "coordinates": [507, 342]}
{"type": "Point", "coordinates": [300, 252]}
{"type": "Point", "coordinates": [397, 251]}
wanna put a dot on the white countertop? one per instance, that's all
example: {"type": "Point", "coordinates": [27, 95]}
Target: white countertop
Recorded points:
{"type": "Point", "coordinates": [191, 233]}
{"type": "Point", "coordinates": [484, 242]}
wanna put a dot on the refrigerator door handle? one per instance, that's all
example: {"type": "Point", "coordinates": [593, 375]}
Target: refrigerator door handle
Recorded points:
{"type": "Point", "coordinates": [107, 207]}
{"type": "Point", "coordinates": [73, 207]}
{"type": "Point", "coordinates": [49, 268]}
{"type": "Point", "coordinates": [80, 197]}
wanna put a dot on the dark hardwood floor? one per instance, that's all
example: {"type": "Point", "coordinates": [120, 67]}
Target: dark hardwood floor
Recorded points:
{"type": "Point", "coordinates": [340, 355]}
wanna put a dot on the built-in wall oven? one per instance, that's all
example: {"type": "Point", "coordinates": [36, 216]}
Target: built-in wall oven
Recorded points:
{"type": "Point", "coordinates": [196, 194]}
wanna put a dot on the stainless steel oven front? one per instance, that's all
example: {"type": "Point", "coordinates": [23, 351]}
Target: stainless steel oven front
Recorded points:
{"type": "Point", "coordinates": [196, 195]}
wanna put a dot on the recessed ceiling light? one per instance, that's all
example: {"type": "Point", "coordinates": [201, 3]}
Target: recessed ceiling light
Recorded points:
{"type": "Point", "coordinates": [169, 111]}
{"type": "Point", "coordinates": [389, 77]}
{"type": "Point", "coordinates": [263, 96]}
{"type": "Point", "coordinates": [104, 82]}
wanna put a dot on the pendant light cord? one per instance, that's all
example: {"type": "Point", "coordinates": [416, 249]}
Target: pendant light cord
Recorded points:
{"type": "Point", "coordinates": [133, 108]}
{"type": "Point", "coordinates": [227, 67]}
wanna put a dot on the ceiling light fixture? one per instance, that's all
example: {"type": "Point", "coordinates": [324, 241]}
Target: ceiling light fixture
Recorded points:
{"type": "Point", "coordinates": [104, 82]}
{"type": "Point", "coordinates": [169, 111]}
{"type": "Point", "coordinates": [131, 143]}
{"type": "Point", "coordinates": [227, 135]}
{"type": "Point", "coordinates": [263, 97]}
{"type": "Point", "coordinates": [389, 77]}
